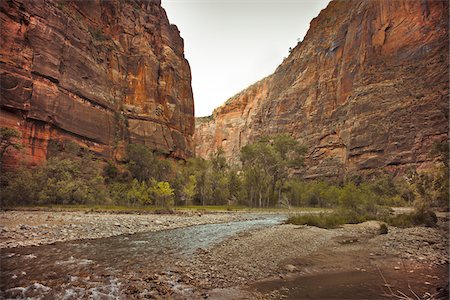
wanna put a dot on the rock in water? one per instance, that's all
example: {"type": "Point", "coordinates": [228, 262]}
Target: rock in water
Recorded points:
{"type": "Point", "coordinates": [366, 89]}
{"type": "Point", "coordinates": [100, 73]}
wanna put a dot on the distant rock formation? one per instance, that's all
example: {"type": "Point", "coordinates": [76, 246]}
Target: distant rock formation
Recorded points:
{"type": "Point", "coordinates": [367, 89]}
{"type": "Point", "coordinates": [99, 73]}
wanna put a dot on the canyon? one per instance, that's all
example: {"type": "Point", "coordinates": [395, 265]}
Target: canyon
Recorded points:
{"type": "Point", "coordinates": [365, 91]}
{"type": "Point", "coordinates": [102, 74]}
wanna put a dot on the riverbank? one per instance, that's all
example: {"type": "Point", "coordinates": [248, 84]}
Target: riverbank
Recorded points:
{"type": "Point", "coordinates": [303, 262]}
{"type": "Point", "coordinates": [39, 227]}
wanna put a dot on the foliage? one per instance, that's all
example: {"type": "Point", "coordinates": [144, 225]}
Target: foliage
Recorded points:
{"type": "Point", "coordinates": [9, 140]}
{"type": "Point", "coordinates": [312, 193]}
{"type": "Point", "coordinates": [321, 220]}
{"type": "Point", "coordinates": [383, 228]}
{"type": "Point", "coordinates": [266, 178]}
{"type": "Point", "coordinates": [266, 166]}
{"type": "Point", "coordinates": [201, 169]}
{"type": "Point", "coordinates": [139, 193]}
{"type": "Point", "coordinates": [118, 193]}
{"type": "Point", "coordinates": [189, 189]}
{"type": "Point", "coordinates": [420, 217]}
{"type": "Point", "coordinates": [97, 33]}
{"type": "Point", "coordinates": [163, 193]}
{"type": "Point", "coordinates": [58, 181]}
{"type": "Point", "coordinates": [144, 164]}
{"type": "Point", "coordinates": [20, 187]}
{"type": "Point", "coordinates": [72, 181]}
{"type": "Point", "coordinates": [64, 149]}
{"type": "Point", "coordinates": [110, 172]}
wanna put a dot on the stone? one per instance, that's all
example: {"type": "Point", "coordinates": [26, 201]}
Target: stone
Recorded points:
{"type": "Point", "coordinates": [366, 90]}
{"type": "Point", "coordinates": [98, 73]}
{"type": "Point", "coordinates": [290, 268]}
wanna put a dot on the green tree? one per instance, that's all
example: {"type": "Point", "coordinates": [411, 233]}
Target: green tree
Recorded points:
{"type": "Point", "coordinates": [189, 189]}
{"type": "Point", "coordinates": [266, 166]}
{"type": "Point", "coordinates": [139, 193]}
{"type": "Point", "coordinates": [219, 178]}
{"type": "Point", "coordinates": [9, 138]}
{"type": "Point", "coordinates": [72, 181]}
{"type": "Point", "coordinates": [20, 186]}
{"type": "Point", "coordinates": [144, 164]}
{"type": "Point", "coordinates": [234, 186]}
{"type": "Point", "coordinates": [163, 193]}
{"type": "Point", "coordinates": [201, 169]}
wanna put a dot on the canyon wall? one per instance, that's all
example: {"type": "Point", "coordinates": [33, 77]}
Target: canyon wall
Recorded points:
{"type": "Point", "coordinates": [98, 73]}
{"type": "Point", "coordinates": [366, 90]}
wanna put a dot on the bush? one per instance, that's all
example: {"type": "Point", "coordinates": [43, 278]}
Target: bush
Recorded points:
{"type": "Point", "coordinates": [420, 217]}
{"type": "Point", "coordinates": [383, 229]}
{"type": "Point", "coordinates": [322, 220]}
{"type": "Point", "coordinates": [20, 187]}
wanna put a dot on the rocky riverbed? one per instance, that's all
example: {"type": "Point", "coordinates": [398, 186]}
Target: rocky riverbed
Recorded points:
{"type": "Point", "coordinates": [233, 260]}
{"type": "Point", "coordinates": [32, 228]}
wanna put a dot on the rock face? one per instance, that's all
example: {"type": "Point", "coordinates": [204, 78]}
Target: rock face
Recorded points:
{"type": "Point", "coordinates": [367, 89]}
{"type": "Point", "coordinates": [99, 73]}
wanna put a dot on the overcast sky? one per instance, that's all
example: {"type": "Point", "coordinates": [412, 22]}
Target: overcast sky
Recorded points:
{"type": "Point", "coordinates": [232, 44]}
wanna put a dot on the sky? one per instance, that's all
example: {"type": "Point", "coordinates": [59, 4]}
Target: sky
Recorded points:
{"type": "Point", "coordinates": [231, 44]}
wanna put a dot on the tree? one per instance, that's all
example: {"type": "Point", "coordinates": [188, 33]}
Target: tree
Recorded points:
{"type": "Point", "coordinates": [189, 189]}
{"type": "Point", "coordinates": [9, 139]}
{"type": "Point", "coordinates": [163, 193]}
{"type": "Point", "coordinates": [234, 186]}
{"type": "Point", "coordinates": [138, 193]}
{"type": "Point", "coordinates": [266, 166]}
{"type": "Point", "coordinates": [219, 178]}
{"type": "Point", "coordinates": [144, 164]}
{"type": "Point", "coordinates": [72, 181]}
{"type": "Point", "coordinates": [201, 169]}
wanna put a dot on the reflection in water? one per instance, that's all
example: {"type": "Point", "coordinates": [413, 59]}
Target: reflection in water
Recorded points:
{"type": "Point", "coordinates": [97, 268]}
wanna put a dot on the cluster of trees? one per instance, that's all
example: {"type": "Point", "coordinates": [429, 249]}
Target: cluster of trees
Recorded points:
{"type": "Point", "coordinates": [265, 178]}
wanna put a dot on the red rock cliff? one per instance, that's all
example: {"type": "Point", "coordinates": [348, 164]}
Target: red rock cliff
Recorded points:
{"type": "Point", "coordinates": [366, 89]}
{"type": "Point", "coordinates": [100, 73]}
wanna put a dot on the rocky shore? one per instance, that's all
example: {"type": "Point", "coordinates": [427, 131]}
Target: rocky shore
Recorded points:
{"type": "Point", "coordinates": [32, 228]}
{"type": "Point", "coordinates": [285, 250]}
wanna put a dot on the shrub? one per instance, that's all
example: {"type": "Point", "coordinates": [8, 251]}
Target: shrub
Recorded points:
{"type": "Point", "coordinates": [322, 220]}
{"type": "Point", "coordinates": [20, 187]}
{"type": "Point", "coordinates": [420, 217]}
{"type": "Point", "coordinates": [9, 138]}
{"type": "Point", "coordinates": [383, 228]}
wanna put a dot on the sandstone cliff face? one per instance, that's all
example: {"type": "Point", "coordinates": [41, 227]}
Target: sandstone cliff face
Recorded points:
{"type": "Point", "coordinates": [100, 73]}
{"type": "Point", "coordinates": [367, 89]}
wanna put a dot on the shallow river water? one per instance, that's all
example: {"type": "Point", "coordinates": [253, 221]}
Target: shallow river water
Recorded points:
{"type": "Point", "coordinates": [101, 268]}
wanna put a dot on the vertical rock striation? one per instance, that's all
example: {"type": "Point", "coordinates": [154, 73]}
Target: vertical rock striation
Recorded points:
{"type": "Point", "coordinates": [367, 89]}
{"type": "Point", "coordinates": [100, 73]}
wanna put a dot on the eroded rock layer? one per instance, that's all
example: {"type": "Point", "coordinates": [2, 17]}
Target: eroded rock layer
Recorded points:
{"type": "Point", "coordinates": [366, 89]}
{"type": "Point", "coordinates": [100, 73]}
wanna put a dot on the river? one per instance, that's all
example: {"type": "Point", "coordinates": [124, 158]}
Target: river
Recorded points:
{"type": "Point", "coordinates": [104, 268]}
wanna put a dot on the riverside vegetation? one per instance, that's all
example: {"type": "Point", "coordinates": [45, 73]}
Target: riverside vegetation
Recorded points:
{"type": "Point", "coordinates": [72, 176]}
